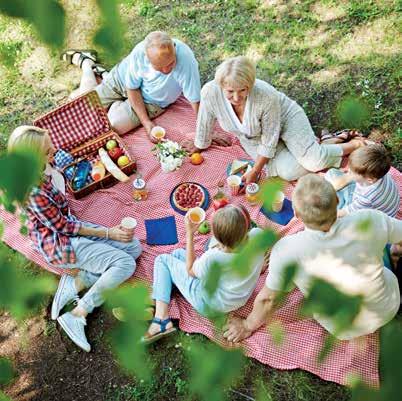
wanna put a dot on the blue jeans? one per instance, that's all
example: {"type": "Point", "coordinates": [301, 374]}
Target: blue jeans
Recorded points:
{"type": "Point", "coordinates": [104, 264]}
{"type": "Point", "coordinates": [171, 269]}
{"type": "Point", "coordinates": [345, 195]}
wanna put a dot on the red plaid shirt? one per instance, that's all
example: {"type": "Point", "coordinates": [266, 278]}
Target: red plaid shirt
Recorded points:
{"type": "Point", "coordinates": [51, 224]}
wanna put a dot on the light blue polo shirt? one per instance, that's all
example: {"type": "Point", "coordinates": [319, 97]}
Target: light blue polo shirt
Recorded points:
{"type": "Point", "coordinates": [136, 72]}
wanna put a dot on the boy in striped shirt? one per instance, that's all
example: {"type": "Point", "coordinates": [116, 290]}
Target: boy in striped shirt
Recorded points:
{"type": "Point", "coordinates": [367, 184]}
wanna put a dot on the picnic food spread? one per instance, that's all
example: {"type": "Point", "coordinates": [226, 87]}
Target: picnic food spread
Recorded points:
{"type": "Point", "coordinates": [187, 196]}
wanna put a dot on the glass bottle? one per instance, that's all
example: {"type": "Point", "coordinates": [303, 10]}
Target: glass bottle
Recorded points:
{"type": "Point", "coordinates": [220, 199]}
{"type": "Point", "coordinates": [140, 191]}
{"type": "Point", "coordinates": [252, 193]}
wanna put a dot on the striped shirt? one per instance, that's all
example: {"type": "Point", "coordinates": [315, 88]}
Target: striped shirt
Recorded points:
{"type": "Point", "coordinates": [383, 195]}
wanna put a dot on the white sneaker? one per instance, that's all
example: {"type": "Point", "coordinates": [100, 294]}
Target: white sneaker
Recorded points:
{"type": "Point", "coordinates": [74, 326]}
{"type": "Point", "coordinates": [66, 292]}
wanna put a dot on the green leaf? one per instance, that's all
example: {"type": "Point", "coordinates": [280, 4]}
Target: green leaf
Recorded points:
{"type": "Point", "coordinates": [47, 16]}
{"type": "Point", "coordinates": [110, 35]}
{"type": "Point", "coordinates": [326, 300]}
{"type": "Point", "coordinates": [18, 293]}
{"type": "Point", "coordinates": [6, 371]}
{"type": "Point", "coordinates": [277, 332]}
{"type": "Point", "coordinates": [364, 226]}
{"type": "Point", "coordinates": [269, 191]}
{"type": "Point", "coordinates": [242, 261]}
{"type": "Point", "coordinates": [3, 397]}
{"type": "Point", "coordinates": [212, 370]}
{"type": "Point", "coordinates": [126, 336]}
{"type": "Point", "coordinates": [25, 169]}
{"type": "Point", "coordinates": [325, 350]}
{"type": "Point", "coordinates": [353, 113]}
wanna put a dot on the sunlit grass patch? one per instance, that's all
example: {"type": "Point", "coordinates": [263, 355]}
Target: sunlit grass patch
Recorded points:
{"type": "Point", "coordinates": [379, 38]}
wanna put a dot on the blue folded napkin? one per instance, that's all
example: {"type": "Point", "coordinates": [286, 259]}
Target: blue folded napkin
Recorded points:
{"type": "Point", "coordinates": [284, 216]}
{"type": "Point", "coordinates": [161, 231]}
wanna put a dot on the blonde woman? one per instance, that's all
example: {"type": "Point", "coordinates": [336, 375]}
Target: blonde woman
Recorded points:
{"type": "Point", "coordinates": [105, 257]}
{"type": "Point", "coordinates": [273, 129]}
{"type": "Point", "coordinates": [230, 228]}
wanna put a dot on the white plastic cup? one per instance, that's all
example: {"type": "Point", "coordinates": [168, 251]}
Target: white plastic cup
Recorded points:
{"type": "Point", "coordinates": [196, 215]}
{"type": "Point", "coordinates": [277, 203]}
{"type": "Point", "coordinates": [234, 182]}
{"type": "Point", "coordinates": [158, 132]}
{"type": "Point", "coordinates": [128, 224]}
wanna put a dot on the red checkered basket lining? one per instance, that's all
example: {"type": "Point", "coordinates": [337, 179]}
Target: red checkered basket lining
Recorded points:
{"type": "Point", "coordinates": [76, 122]}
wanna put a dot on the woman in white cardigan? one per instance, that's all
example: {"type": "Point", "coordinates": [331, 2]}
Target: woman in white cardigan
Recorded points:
{"type": "Point", "coordinates": [273, 129]}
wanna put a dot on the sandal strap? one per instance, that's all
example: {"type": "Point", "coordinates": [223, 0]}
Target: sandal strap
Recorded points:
{"type": "Point", "coordinates": [161, 323]}
{"type": "Point", "coordinates": [84, 54]}
{"type": "Point", "coordinates": [84, 57]}
{"type": "Point", "coordinates": [99, 69]}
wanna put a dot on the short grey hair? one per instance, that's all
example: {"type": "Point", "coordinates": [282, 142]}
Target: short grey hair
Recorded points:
{"type": "Point", "coordinates": [157, 39]}
{"type": "Point", "coordinates": [236, 71]}
{"type": "Point", "coordinates": [315, 201]}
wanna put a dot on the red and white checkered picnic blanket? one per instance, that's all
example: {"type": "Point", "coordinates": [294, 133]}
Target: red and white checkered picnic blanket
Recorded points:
{"type": "Point", "coordinates": [303, 338]}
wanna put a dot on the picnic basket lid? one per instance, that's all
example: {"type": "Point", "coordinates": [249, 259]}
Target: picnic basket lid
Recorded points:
{"type": "Point", "coordinates": [75, 122]}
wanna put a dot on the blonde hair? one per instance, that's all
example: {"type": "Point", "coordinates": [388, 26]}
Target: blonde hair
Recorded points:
{"type": "Point", "coordinates": [157, 39]}
{"type": "Point", "coordinates": [315, 201]}
{"type": "Point", "coordinates": [236, 71]}
{"type": "Point", "coordinates": [371, 161]}
{"type": "Point", "coordinates": [29, 137]}
{"type": "Point", "coordinates": [230, 226]}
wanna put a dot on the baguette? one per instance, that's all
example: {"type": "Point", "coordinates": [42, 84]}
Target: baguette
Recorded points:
{"type": "Point", "coordinates": [111, 166]}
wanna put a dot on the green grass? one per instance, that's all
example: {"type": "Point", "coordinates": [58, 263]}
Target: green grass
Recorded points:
{"type": "Point", "coordinates": [170, 381]}
{"type": "Point", "coordinates": [317, 52]}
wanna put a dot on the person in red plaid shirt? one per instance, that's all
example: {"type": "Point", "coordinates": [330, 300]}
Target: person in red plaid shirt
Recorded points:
{"type": "Point", "coordinates": [101, 258]}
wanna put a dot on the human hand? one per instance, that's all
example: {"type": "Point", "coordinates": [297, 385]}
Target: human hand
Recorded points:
{"type": "Point", "coordinates": [236, 330]}
{"type": "Point", "coordinates": [191, 227]}
{"type": "Point", "coordinates": [359, 142]}
{"type": "Point", "coordinates": [189, 147]}
{"type": "Point", "coordinates": [221, 140]}
{"type": "Point", "coordinates": [117, 234]}
{"type": "Point", "coordinates": [148, 127]}
{"type": "Point", "coordinates": [396, 254]}
{"type": "Point", "coordinates": [251, 176]}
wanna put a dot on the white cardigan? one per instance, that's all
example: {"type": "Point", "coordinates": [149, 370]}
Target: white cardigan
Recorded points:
{"type": "Point", "coordinates": [267, 112]}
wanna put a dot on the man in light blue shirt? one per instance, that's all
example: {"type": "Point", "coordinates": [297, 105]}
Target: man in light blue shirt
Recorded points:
{"type": "Point", "coordinates": [139, 88]}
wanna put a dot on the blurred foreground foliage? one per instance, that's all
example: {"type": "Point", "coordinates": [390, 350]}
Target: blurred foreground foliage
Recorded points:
{"type": "Point", "coordinates": [212, 368]}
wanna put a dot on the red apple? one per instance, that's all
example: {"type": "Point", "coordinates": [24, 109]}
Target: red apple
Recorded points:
{"type": "Point", "coordinates": [115, 153]}
{"type": "Point", "coordinates": [217, 203]}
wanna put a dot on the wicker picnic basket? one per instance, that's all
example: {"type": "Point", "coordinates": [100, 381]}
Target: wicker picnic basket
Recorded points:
{"type": "Point", "coordinates": [81, 127]}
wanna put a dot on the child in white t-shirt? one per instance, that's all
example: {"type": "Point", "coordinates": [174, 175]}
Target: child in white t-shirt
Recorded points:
{"type": "Point", "coordinates": [368, 184]}
{"type": "Point", "coordinates": [230, 227]}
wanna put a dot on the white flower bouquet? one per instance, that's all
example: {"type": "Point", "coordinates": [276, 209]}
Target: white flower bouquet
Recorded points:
{"type": "Point", "coordinates": [170, 154]}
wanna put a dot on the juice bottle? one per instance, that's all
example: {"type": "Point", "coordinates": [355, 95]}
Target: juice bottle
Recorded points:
{"type": "Point", "coordinates": [220, 199]}
{"type": "Point", "coordinates": [98, 171]}
{"type": "Point", "coordinates": [252, 193]}
{"type": "Point", "coordinates": [139, 189]}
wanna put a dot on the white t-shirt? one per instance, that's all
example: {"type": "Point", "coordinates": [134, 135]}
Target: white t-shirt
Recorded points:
{"type": "Point", "coordinates": [57, 178]}
{"type": "Point", "coordinates": [233, 289]}
{"type": "Point", "coordinates": [351, 259]}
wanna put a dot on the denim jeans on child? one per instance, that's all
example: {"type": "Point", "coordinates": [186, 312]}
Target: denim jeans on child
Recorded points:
{"type": "Point", "coordinates": [345, 195]}
{"type": "Point", "coordinates": [171, 269]}
{"type": "Point", "coordinates": [104, 264]}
